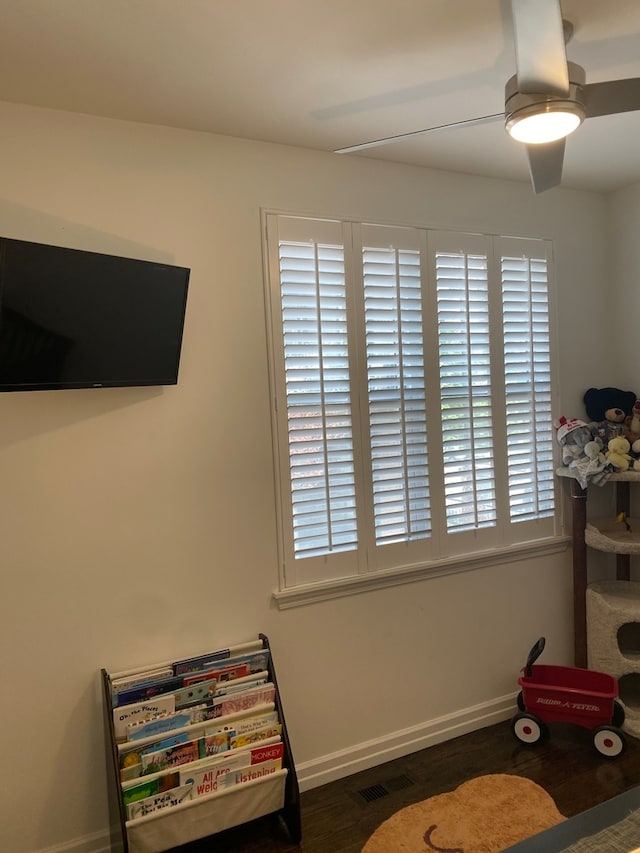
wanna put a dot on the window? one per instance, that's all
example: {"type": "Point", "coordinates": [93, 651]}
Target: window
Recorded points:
{"type": "Point", "coordinates": [413, 396]}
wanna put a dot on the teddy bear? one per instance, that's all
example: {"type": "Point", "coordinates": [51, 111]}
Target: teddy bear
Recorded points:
{"type": "Point", "coordinates": [610, 412]}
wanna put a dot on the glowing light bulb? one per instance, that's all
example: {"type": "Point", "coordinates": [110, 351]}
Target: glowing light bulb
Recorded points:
{"type": "Point", "coordinates": [545, 127]}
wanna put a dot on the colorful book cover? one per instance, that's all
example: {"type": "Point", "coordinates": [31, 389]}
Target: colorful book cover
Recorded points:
{"type": "Point", "coordinates": [256, 661]}
{"type": "Point", "coordinates": [130, 765]}
{"type": "Point", "coordinates": [157, 725]}
{"type": "Point", "coordinates": [243, 725]}
{"type": "Point", "coordinates": [226, 673]}
{"type": "Point", "coordinates": [256, 771]}
{"type": "Point", "coordinates": [243, 701]}
{"type": "Point", "coordinates": [271, 752]}
{"type": "Point", "coordinates": [173, 756]}
{"type": "Point", "coordinates": [136, 679]}
{"type": "Point", "coordinates": [149, 788]}
{"type": "Point", "coordinates": [166, 743]}
{"type": "Point", "coordinates": [210, 777]}
{"type": "Point", "coordinates": [126, 714]}
{"type": "Point", "coordinates": [239, 740]}
{"type": "Point", "coordinates": [228, 687]}
{"type": "Point", "coordinates": [215, 743]}
{"type": "Point", "coordinates": [145, 692]}
{"type": "Point", "coordinates": [194, 693]}
{"type": "Point", "coordinates": [172, 797]}
{"type": "Point", "coordinates": [207, 661]}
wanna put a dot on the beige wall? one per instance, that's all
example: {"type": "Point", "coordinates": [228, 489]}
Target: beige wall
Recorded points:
{"type": "Point", "coordinates": [138, 524]}
{"type": "Point", "coordinates": [624, 273]}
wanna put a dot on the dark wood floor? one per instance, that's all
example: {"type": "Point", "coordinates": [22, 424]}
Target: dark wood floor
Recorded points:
{"type": "Point", "coordinates": [340, 816]}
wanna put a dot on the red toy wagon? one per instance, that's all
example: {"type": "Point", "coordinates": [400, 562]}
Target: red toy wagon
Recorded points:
{"type": "Point", "coordinates": [566, 694]}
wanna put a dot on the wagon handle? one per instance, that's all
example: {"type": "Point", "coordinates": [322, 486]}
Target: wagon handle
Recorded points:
{"type": "Point", "coordinates": [534, 654]}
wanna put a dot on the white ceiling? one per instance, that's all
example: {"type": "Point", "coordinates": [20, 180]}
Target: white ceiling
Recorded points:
{"type": "Point", "coordinates": [320, 74]}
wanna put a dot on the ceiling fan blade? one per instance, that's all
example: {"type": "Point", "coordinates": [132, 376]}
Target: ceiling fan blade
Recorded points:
{"type": "Point", "coordinates": [541, 59]}
{"type": "Point", "coordinates": [612, 96]}
{"type": "Point", "coordinates": [545, 164]}
{"type": "Point", "coordinates": [401, 136]}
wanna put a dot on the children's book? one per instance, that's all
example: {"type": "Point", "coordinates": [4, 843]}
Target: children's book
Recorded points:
{"type": "Point", "coordinates": [172, 797]}
{"type": "Point", "coordinates": [171, 756]}
{"type": "Point", "coordinates": [126, 714]}
{"type": "Point", "coordinates": [243, 725]}
{"type": "Point", "coordinates": [194, 693]}
{"type": "Point", "coordinates": [149, 787]}
{"type": "Point", "coordinates": [158, 724]}
{"type": "Point", "coordinates": [207, 661]}
{"type": "Point", "coordinates": [243, 700]}
{"type": "Point", "coordinates": [130, 765]}
{"type": "Point", "coordinates": [135, 679]}
{"type": "Point", "coordinates": [236, 741]}
{"type": "Point", "coordinates": [166, 743]}
{"type": "Point", "coordinates": [210, 776]}
{"type": "Point", "coordinates": [256, 661]}
{"type": "Point", "coordinates": [228, 687]}
{"type": "Point", "coordinates": [215, 742]}
{"type": "Point", "coordinates": [148, 690]}
{"type": "Point", "coordinates": [207, 711]}
{"type": "Point", "coordinates": [257, 771]}
{"type": "Point", "coordinates": [225, 673]}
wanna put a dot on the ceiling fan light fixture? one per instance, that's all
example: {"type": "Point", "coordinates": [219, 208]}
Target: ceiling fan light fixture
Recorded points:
{"type": "Point", "coordinates": [536, 124]}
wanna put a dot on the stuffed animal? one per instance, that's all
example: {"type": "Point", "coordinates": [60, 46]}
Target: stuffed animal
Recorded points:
{"type": "Point", "coordinates": [592, 466]}
{"type": "Point", "coordinates": [633, 431]}
{"type": "Point", "coordinates": [610, 412]}
{"type": "Point", "coordinates": [572, 435]}
{"type": "Point", "coordinates": [618, 453]}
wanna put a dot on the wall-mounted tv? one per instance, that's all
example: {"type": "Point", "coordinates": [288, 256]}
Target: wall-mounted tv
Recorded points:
{"type": "Point", "coordinates": [76, 319]}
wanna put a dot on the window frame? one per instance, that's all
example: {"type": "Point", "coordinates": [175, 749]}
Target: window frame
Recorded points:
{"type": "Point", "coordinates": [466, 555]}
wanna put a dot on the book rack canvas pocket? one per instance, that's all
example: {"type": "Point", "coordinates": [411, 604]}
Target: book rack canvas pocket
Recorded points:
{"type": "Point", "coordinates": [206, 816]}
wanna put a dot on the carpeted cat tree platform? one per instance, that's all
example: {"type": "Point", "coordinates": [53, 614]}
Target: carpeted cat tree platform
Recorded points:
{"type": "Point", "coordinates": [613, 641]}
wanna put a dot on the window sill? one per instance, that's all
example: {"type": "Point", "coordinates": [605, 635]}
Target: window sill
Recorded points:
{"type": "Point", "coordinates": [314, 593]}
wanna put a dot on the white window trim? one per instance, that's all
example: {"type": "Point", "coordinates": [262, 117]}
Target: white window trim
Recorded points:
{"type": "Point", "coordinates": [317, 592]}
{"type": "Point", "coordinates": [314, 592]}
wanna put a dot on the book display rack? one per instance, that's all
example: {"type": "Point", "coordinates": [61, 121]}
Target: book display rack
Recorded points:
{"type": "Point", "coordinates": [197, 746]}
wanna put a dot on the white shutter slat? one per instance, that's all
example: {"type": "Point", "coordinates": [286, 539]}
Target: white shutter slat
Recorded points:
{"type": "Point", "coordinates": [527, 367]}
{"type": "Point", "coordinates": [465, 390]}
{"type": "Point", "coordinates": [396, 393]}
{"type": "Point", "coordinates": [318, 397]}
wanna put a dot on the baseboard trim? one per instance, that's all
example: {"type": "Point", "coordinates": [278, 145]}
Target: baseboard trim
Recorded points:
{"type": "Point", "coordinates": [362, 756]}
{"type": "Point", "coordinates": [97, 842]}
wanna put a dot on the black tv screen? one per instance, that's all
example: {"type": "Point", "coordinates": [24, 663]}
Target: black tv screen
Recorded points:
{"type": "Point", "coordinates": [76, 319]}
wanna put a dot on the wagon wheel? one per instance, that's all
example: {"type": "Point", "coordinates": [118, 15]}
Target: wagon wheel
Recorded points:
{"type": "Point", "coordinates": [609, 741]}
{"type": "Point", "coordinates": [618, 713]}
{"type": "Point", "coordinates": [528, 729]}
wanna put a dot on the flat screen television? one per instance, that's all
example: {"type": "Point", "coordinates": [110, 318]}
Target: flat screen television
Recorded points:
{"type": "Point", "coordinates": [76, 319]}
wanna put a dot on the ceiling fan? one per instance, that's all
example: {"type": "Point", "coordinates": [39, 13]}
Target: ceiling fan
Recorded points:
{"type": "Point", "coordinates": [548, 97]}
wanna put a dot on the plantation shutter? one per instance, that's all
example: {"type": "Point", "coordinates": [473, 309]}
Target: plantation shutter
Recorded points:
{"type": "Point", "coordinates": [527, 370]}
{"type": "Point", "coordinates": [462, 297]}
{"type": "Point", "coordinates": [412, 396]}
{"type": "Point", "coordinates": [321, 499]}
{"type": "Point", "coordinates": [396, 396]}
